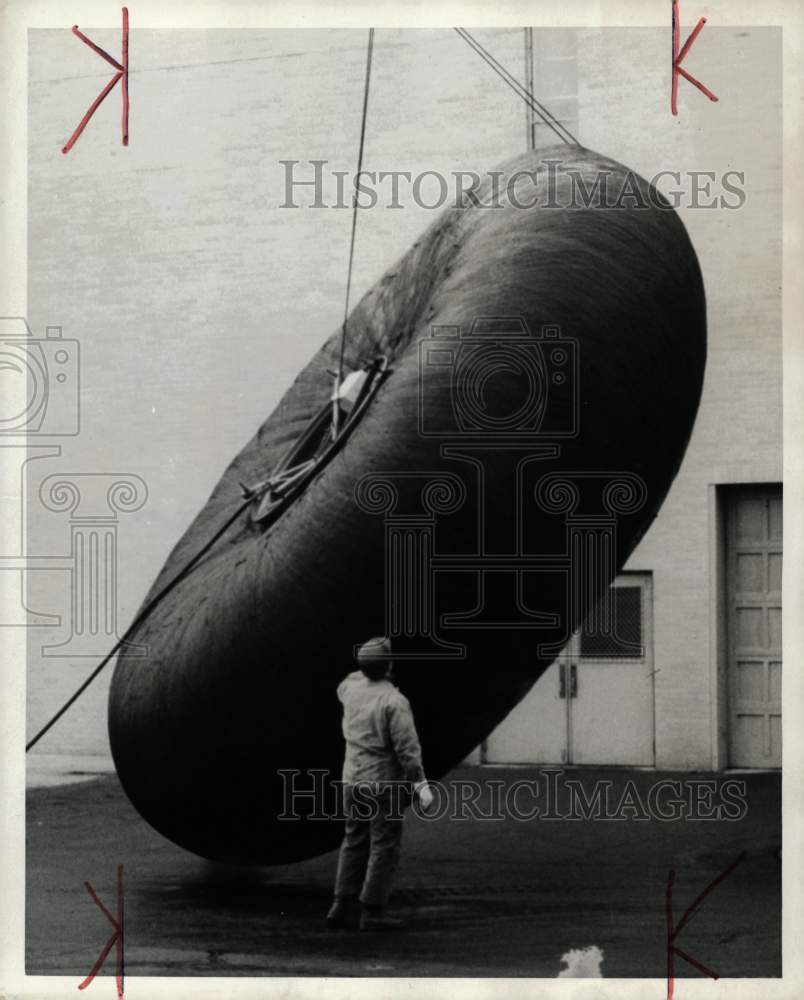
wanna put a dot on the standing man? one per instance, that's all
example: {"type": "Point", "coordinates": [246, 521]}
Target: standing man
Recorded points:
{"type": "Point", "coordinates": [383, 759]}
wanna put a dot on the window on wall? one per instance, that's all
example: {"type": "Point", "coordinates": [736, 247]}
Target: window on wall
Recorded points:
{"type": "Point", "coordinates": [616, 630]}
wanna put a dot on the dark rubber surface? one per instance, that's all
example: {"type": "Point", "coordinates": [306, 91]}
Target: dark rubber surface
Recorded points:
{"type": "Point", "coordinates": [246, 652]}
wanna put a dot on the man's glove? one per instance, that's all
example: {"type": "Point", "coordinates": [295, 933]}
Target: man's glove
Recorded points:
{"type": "Point", "coordinates": [425, 795]}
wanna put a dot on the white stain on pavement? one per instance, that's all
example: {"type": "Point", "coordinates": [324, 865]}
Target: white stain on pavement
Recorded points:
{"type": "Point", "coordinates": [582, 963]}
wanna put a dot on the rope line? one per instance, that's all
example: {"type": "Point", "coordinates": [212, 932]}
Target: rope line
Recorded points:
{"type": "Point", "coordinates": [205, 548]}
{"type": "Point", "coordinates": [282, 483]}
{"type": "Point", "coordinates": [369, 51]}
{"type": "Point", "coordinates": [149, 607]}
{"type": "Point", "coordinates": [536, 106]}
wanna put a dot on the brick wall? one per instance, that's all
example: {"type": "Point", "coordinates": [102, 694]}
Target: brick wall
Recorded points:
{"type": "Point", "coordinates": [623, 100]}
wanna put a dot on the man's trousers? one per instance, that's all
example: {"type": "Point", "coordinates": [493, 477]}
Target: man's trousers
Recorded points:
{"type": "Point", "coordinates": [370, 850]}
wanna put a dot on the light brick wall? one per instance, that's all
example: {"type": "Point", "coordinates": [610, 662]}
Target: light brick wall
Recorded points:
{"type": "Point", "coordinates": [624, 109]}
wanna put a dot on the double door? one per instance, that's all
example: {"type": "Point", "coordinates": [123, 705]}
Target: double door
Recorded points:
{"type": "Point", "coordinates": [594, 705]}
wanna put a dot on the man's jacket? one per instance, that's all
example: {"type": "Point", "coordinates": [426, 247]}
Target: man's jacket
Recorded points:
{"type": "Point", "coordinates": [381, 739]}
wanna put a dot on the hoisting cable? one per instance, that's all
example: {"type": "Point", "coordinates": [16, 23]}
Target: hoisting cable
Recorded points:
{"type": "Point", "coordinates": [536, 106]}
{"type": "Point", "coordinates": [366, 85]}
{"type": "Point", "coordinates": [284, 482]}
{"type": "Point", "coordinates": [149, 607]}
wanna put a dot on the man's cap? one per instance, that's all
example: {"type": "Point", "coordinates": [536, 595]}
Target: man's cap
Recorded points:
{"type": "Point", "coordinates": [375, 649]}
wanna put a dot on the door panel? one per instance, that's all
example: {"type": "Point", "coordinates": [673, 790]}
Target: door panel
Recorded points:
{"type": "Point", "coordinates": [754, 583]}
{"type": "Point", "coordinates": [611, 714]}
{"type": "Point", "coordinates": [535, 732]}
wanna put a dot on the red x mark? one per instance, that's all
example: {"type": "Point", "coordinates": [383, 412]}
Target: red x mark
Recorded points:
{"type": "Point", "coordinates": [121, 74]}
{"type": "Point", "coordinates": [678, 58]}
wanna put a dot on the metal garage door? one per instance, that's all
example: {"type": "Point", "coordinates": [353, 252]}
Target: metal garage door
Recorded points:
{"type": "Point", "coordinates": [754, 577]}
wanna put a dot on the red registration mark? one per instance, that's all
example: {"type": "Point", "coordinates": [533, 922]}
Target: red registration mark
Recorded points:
{"type": "Point", "coordinates": [117, 937]}
{"type": "Point", "coordinates": [678, 58]}
{"type": "Point", "coordinates": [674, 929]}
{"type": "Point", "coordinates": [121, 75]}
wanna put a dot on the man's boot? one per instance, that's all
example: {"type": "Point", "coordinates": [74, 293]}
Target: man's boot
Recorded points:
{"type": "Point", "coordinates": [344, 912]}
{"type": "Point", "coordinates": [374, 918]}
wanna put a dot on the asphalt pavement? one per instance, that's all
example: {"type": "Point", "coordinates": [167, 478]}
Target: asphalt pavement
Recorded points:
{"type": "Point", "coordinates": [503, 891]}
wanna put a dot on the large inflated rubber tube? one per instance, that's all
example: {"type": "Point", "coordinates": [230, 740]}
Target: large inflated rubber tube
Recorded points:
{"type": "Point", "coordinates": [246, 652]}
